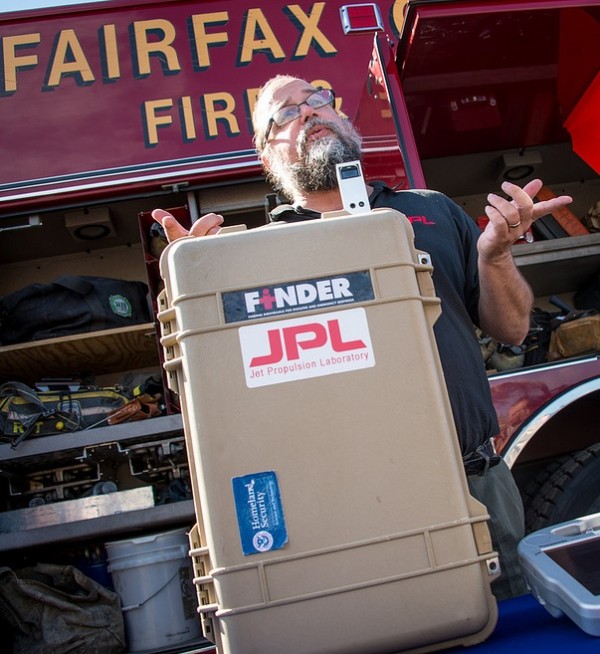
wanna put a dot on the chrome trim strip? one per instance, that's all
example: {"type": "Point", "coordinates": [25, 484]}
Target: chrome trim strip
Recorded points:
{"type": "Point", "coordinates": [124, 181]}
{"type": "Point", "coordinates": [547, 412]}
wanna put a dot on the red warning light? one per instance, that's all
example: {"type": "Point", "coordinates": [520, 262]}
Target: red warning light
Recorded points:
{"type": "Point", "coordinates": [361, 18]}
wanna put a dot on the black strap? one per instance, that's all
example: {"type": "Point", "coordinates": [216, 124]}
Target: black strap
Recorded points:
{"type": "Point", "coordinates": [481, 460]}
{"type": "Point", "coordinates": [73, 283]}
{"type": "Point", "coordinates": [11, 390]}
{"type": "Point", "coordinates": [8, 392]}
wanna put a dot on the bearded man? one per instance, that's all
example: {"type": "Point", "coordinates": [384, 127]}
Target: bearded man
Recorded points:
{"type": "Point", "coordinates": [300, 138]}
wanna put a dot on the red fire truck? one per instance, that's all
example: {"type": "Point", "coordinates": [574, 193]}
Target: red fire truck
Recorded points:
{"type": "Point", "coordinates": [112, 109]}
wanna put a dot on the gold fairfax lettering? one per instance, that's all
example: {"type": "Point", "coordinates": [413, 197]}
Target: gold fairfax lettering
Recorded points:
{"type": "Point", "coordinates": [311, 31]}
{"type": "Point", "coordinates": [256, 22]}
{"type": "Point", "coordinates": [69, 59]}
{"type": "Point", "coordinates": [111, 52]}
{"type": "Point", "coordinates": [12, 62]}
{"type": "Point", "coordinates": [202, 38]}
{"type": "Point", "coordinates": [162, 47]}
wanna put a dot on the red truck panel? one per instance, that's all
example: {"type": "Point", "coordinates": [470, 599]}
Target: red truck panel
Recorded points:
{"type": "Point", "coordinates": [139, 95]}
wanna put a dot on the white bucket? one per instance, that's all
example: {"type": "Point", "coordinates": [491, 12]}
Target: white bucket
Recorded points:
{"type": "Point", "coordinates": [153, 577]}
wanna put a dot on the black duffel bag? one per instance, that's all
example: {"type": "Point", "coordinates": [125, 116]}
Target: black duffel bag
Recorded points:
{"type": "Point", "coordinates": [71, 305]}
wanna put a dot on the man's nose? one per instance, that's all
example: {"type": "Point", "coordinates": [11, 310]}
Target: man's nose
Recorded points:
{"type": "Point", "coordinates": [306, 112]}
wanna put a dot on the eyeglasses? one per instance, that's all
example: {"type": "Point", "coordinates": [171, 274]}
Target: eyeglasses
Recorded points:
{"type": "Point", "coordinates": [284, 115]}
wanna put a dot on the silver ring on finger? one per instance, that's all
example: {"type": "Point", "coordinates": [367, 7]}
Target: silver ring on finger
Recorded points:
{"type": "Point", "coordinates": [515, 225]}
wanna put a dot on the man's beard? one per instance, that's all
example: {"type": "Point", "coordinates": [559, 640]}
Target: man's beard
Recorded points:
{"type": "Point", "coordinates": [315, 169]}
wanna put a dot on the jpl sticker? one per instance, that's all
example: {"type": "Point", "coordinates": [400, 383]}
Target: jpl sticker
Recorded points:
{"type": "Point", "coordinates": [259, 512]}
{"type": "Point", "coordinates": [311, 346]}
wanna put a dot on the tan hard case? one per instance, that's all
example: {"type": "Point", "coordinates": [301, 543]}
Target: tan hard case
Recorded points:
{"type": "Point", "coordinates": [385, 549]}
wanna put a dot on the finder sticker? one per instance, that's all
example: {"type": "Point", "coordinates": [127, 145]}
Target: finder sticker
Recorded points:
{"type": "Point", "coordinates": [259, 512]}
{"type": "Point", "coordinates": [293, 297]}
{"type": "Point", "coordinates": [311, 346]}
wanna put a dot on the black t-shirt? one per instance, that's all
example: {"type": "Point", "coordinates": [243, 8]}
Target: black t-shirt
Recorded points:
{"type": "Point", "coordinates": [444, 231]}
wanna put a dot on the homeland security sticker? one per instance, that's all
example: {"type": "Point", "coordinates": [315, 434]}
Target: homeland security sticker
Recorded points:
{"type": "Point", "coordinates": [259, 512]}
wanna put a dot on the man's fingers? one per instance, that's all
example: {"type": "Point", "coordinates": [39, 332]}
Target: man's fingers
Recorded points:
{"type": "Point", "coordinates": [550, 206]}
{"type": "Point", "coordinates": [173, 230]}
{"type": "Point", "coordinates": [159, 214]}
{"type": "Point", "coordinates": [207, 225]}
{"type": "Point", "coordinates": [501, 209]}
{"type": "Point", "coordinates": [204, 226]}
{"type": "Point", "coordinates": [531, 188]}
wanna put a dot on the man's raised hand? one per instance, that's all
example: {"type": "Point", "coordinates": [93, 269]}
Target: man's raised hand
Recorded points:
{"type": "Point", "coordinates": [205, 226]}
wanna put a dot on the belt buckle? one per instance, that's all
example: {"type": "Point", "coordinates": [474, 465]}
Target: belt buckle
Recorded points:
{"type": "Point", "coordinates": [481, 459]}
{"type": "Point", "coordinates": [485, 456]}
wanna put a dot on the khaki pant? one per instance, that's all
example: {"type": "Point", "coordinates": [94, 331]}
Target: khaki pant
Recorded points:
{"type": "Point", "coordinates": [499, 493]}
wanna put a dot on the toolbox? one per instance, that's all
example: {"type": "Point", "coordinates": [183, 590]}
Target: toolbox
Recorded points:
{"type": "Point", "coordinates": [332, 507]}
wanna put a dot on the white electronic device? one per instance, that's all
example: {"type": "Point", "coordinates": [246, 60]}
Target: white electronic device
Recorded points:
{"type": "Point", "coordinates": [561, 564]}
{"type": "Point", "coordinates": [353, 189]}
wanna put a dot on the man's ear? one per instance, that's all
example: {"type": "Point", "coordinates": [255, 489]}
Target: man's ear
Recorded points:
{"type": "Point", "coordinates": [265, 161]}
